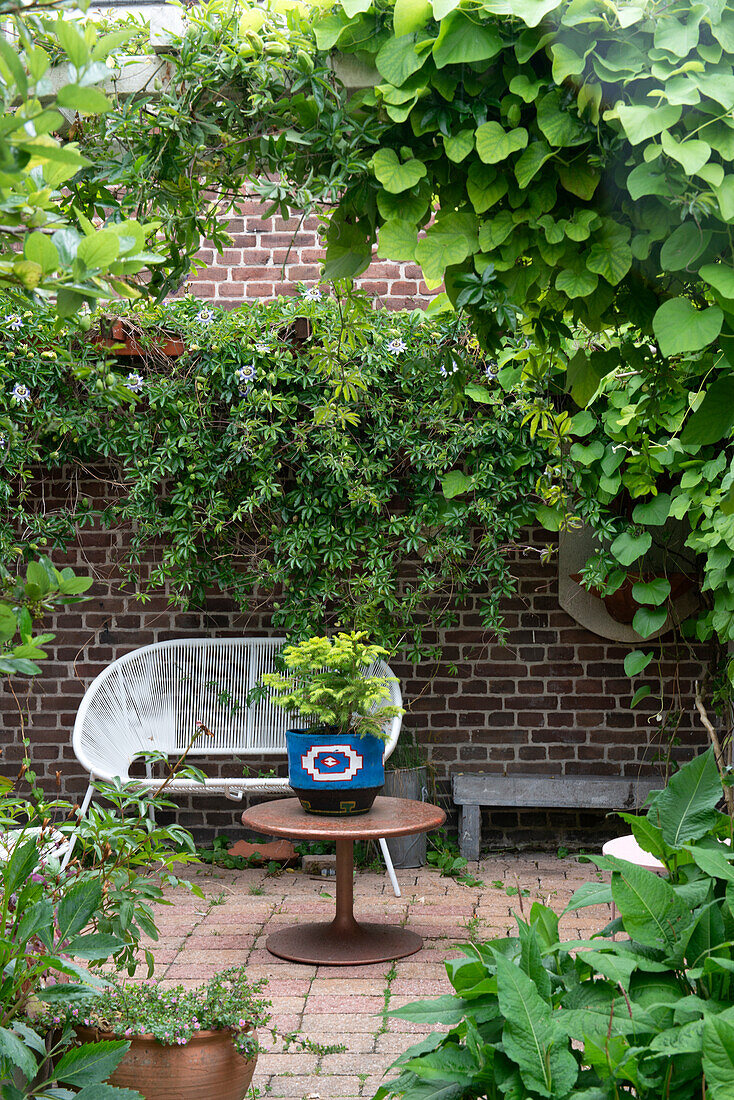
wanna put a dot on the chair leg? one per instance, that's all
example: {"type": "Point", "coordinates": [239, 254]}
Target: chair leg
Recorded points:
{"type": "Point", "coordinates": [389, 867]}
{"type": "Point", "coordinates": [149, 773]}
{"type": "Point", "coordinates": [72, 840]}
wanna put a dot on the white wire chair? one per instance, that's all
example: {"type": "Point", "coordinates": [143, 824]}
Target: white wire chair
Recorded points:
{"type": "Point", "coordinates": [154, 699]}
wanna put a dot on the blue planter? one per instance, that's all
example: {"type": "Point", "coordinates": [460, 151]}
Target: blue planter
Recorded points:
{"type": "Point", "coordinates": [333, 773]}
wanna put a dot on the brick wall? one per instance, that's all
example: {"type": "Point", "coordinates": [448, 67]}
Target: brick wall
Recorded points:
{"type": "Point", "coordinates": [553, 699]}
{"type": "Point", "coordinates": [270, 257]}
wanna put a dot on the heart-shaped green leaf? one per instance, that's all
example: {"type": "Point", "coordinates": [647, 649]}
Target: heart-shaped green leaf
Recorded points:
{"type": "Point", "coordinates": [683, 246]}
{"type": "Point", "coordinates": [484, 187]}
{"type": "Point", "coordinates": [628, 547]}
{"type": "Point", "coordinates": [652, 592]}
{"type": "Point", "coordinates": [397, 240]}
{"type": "Point", "coordinates": [577, 282]}
{"type": "Point", "coordinates": [459, 146]}
{"type": "Point", "coordinates": [680, 327]}
{"type": "Point", "coordinates": [455, 484]}
{"type": "Point", "coordinates": [394, 176]}
{"type": "Point", "coordinates": [478, 393]}
{"type": "Point", "coordinates": [641, 123]}
{"type": "Point", "coordinates": [494, 143]}
{"type": "Point", "coordinates": [720, 277]}
{"type": "Point", "coordinates": [654, 512]}
{"type": "Point", "coordinates": [398, 59]}
{"type": "Point", "coordinates": [462, 39]}
{"type": "Point", "coordinates": [648, 620]}
{"type": "Point", "coordinates": [640, 694]}
{"type": "Point", "coordinates": [636, 662]}
{"type": "Point", "coordinates": [692, 155]}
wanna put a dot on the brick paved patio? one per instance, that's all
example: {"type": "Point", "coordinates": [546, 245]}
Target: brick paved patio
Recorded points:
{"type": "Point", "coordinates": [347, 1004]}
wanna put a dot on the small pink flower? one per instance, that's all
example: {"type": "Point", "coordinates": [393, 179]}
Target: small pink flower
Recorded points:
{"type": "Point", "coordinates": [75, 1012]}
{"type": "Point", "coordinates": [128, 1031]}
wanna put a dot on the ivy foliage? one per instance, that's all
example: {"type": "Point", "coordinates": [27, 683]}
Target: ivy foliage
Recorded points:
{"type": "Point", "coordinates": [584, 151]}
{"type": "Point", "coordinates": [370, 474]}
{"type": "Point", "coordinates": [567, 167]}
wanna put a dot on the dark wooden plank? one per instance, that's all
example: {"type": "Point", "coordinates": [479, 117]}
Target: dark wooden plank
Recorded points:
{"type": "Point", "coordinates": [561, 791]}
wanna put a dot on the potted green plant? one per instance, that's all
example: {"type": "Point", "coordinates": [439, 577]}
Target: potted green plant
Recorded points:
{"type": "Point", "coordinates": [336, 763]}
{"type": "Point", "coordinates": [199, 1043]}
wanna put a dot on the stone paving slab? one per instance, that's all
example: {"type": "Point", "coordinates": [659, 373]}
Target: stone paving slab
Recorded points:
{"type": "Point", "coordinates": [335, 1005]}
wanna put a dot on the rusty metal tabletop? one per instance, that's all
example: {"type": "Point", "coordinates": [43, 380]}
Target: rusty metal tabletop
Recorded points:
{"type": "Point", "coordinates": [344, 941]}
{"type": "Point", "coordinates": [388, 817]}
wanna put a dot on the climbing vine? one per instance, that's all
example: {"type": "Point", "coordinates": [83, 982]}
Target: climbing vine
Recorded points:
{"type": "Point", "coordinates": [313, 452]}
{"type": "Point", "coordinates": [567, 170]}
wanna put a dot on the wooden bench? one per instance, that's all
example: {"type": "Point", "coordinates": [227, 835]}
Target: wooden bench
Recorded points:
{"type": "Point", "coordinates": [478, 789]}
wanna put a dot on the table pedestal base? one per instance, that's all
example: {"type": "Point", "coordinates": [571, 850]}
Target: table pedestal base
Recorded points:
{"type": "Point", "coordinates": [330, 944]}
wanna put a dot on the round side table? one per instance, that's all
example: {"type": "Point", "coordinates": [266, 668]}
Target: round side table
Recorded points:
{"type": "Point", "coordinates": [344, 941]}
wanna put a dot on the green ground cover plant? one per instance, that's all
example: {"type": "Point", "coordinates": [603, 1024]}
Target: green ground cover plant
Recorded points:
{"type": "Point", "coordinates": [648, 1014]}
{"type": "Point", "coordinates": [371, 474]}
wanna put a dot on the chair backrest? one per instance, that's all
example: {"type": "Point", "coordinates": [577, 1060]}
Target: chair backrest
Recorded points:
{"type": "Point", "coordinates": [156, 697]}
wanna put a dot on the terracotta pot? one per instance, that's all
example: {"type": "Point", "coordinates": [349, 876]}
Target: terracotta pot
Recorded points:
{"type": "Point", "coordinates": [206, 1068]}
{"type": "Point", "coordinates": [125, 346]}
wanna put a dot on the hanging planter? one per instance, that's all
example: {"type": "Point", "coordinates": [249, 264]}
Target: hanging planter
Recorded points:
{"type": "Point", "coordinates": [122, 338]}
{"type": "Point", "coordinates": [621, 604]}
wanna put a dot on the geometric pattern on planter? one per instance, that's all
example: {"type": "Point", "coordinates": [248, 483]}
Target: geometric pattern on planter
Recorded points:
{"type": "Point", "coordinates": [332, 763]}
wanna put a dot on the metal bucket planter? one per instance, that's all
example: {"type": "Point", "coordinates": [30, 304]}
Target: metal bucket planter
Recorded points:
{"type": "Point", "coordinates": [334, 773]}
{"type": "Point", "coordinates": [206, 1068]}
{"type": "Point", "coordinates": [407, 851]}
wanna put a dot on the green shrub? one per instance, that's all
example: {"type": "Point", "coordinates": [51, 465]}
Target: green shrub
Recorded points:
{"type": "Point", "coordinates": [326, 680]}
{"type": "Point", "coordinates": [649, 1015]}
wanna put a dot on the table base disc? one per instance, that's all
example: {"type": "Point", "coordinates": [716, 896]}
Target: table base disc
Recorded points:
{"type": "Point", "coordinates": [323, 945]}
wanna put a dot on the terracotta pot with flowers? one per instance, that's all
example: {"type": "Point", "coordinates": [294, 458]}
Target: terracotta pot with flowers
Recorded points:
{"type": "Point", "coordinates": [336, 764]}
{"type": "Point", "coordinates": [199, 1043]}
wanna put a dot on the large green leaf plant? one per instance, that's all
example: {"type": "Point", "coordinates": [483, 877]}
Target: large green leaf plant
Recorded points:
{"type": "Point", "coordinates": [644, 1008]}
